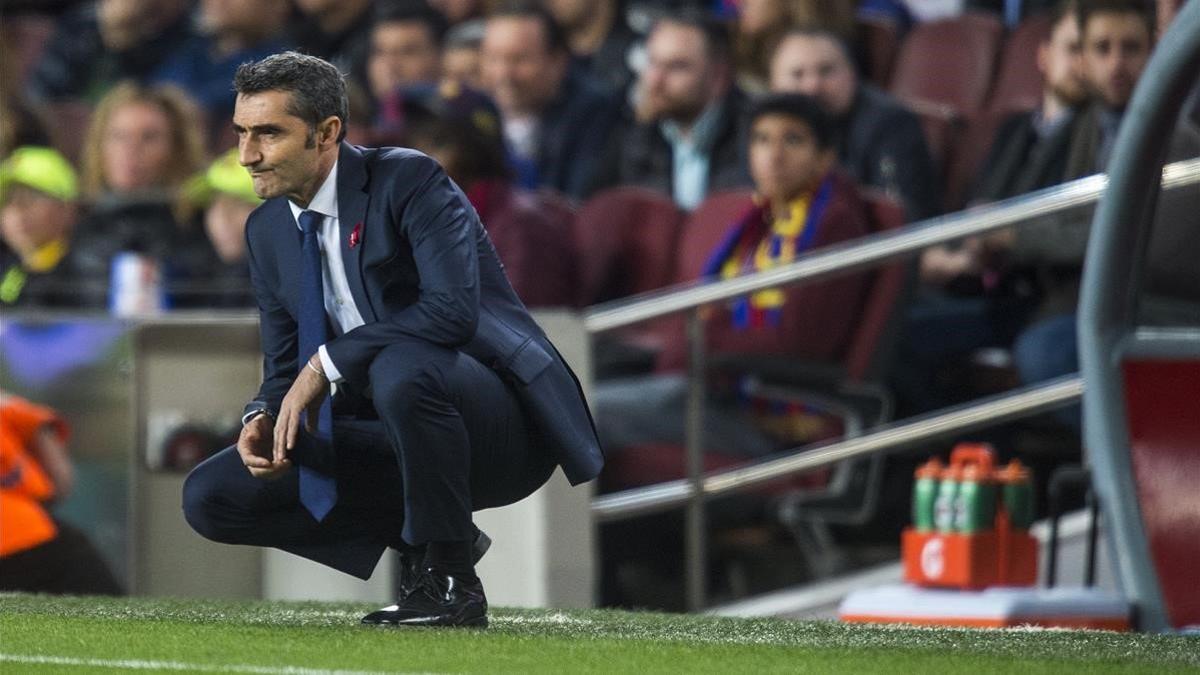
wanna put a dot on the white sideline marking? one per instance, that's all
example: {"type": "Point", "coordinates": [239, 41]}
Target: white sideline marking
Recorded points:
{"type": "Point", "coordinates": [132, 664]}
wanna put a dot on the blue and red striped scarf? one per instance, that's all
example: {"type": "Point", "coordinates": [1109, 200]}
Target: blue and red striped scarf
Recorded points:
{"type": "Point", "coordinates": [753, 245]}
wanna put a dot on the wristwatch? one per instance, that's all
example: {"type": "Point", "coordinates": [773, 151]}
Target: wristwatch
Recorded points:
{"type": "Point", "coordinates": [255, 412]}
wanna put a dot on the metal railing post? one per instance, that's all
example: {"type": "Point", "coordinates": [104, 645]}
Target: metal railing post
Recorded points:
{"type": "Point", "coordinates": [695, 533]}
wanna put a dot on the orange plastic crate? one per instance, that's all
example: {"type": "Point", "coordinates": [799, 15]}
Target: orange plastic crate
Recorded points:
{"type": "Point", "coordinates": [998, 557]}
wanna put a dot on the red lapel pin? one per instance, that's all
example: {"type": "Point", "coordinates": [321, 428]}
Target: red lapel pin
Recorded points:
{"type": "Point", "coordinates": [355, 235]}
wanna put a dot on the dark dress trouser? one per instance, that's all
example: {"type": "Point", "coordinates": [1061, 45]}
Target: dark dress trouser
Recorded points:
{"type": "Point", "coordinates": [451, 438]}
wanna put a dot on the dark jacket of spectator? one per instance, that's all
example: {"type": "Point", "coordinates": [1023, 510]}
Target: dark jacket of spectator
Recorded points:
{"type": "Point", "coordinates": [197, 69]}
{"type": "Point", "coordinates": [882, 145]}
{"type": "Point", "coordinates": [1022, 160]}
{"type": "Point", "coordinates": [572, 135]}
{"type": "Point", "coordinates": [641, 155]}
{"type": "Point", "coordinates": [76, 63]}
{"type": "Point", "coordinates": [609, 64]}
{"type": "Point", "coordinates": [534, 247]}
{"type": "Point", "coordinates": [1056, 250]}
{"type": "Point", "coordinates": [63, 286]}
{"type": "Point", "coordinates": [348, 50]}
{"type": "Point", "coordinates": [834, 305]}
{"type": "Point", "coordinates": [150, 229]}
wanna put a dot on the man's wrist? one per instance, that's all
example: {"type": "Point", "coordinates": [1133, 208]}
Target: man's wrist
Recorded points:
{"type": "Point", "coordinates": [253, 414]}
{"type": "Point", "coordinates": [315, 365]}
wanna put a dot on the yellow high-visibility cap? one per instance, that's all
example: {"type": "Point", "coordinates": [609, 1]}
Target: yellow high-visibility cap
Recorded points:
{"type": "Point", "coordinates": [223, 176]}
{"type": "Point", "coordinates": [42, 169]}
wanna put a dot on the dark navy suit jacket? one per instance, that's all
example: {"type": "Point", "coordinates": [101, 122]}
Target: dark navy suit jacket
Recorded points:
{"type": "Point", "coordinates": [422, 267]}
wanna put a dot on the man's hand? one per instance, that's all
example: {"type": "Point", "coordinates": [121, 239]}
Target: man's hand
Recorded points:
{"type": "Point", "coordinates": [941, 264]}
{"type": "Point", "coordinates": [307, 393]}
{"type": "Point", "coordinates": [254, 447]}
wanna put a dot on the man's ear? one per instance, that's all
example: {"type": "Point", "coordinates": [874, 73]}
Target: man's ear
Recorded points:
{"type": "Point", "coordinates": [328, 131]}
{"type": "Point", "coordinates": [1043, 58]}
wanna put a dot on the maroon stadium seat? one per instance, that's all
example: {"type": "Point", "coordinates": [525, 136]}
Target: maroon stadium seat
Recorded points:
{"type": "Point", "coordinates": [878, 42]}
{"type": "Point", "coordinates": [625, 240]}
{"type": "Point", "coordinates": [865, 360]}
{"type": "Point", "coordinates": [1018, 83]}
{"type": "Point", "coordinates": [71, 119]}
{"type": "Point", "coordinates": [949, 62]}
{"type": "Point", "coordinates": [966, 161]}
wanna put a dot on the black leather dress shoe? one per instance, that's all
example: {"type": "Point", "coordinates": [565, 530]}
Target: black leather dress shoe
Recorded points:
{"type": "Point", "coordinates": [437, 599]}
{"type": "Point", "coordinates": [412, 562]}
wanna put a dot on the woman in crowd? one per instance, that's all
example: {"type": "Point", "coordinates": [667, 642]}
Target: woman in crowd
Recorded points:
{"type": "Point", "coordinates": [142, 145]}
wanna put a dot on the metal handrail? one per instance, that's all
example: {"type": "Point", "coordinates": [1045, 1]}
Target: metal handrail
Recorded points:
{"type": "Point", "coordinates": [1054, 394]}
{"type": "Point", "coordinates": [867, 251]}
{"type": "Point", "coordinates": [839, 259]}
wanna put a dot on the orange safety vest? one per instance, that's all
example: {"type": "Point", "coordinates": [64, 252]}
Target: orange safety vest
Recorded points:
{"type": "Point", "coordinates": [24, 484]}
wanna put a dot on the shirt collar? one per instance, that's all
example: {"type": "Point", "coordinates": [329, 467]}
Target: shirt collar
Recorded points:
{"type": "Point", "coordinates": [324, 202]}
{"type": "Point", "coordinates": [703, 132]}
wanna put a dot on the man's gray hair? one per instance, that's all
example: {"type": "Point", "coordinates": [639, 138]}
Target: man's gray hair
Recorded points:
{"type": "Point", "coordinates": [317, 89]}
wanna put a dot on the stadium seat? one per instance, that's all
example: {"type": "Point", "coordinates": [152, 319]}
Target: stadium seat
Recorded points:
{"type": "Point", "coordinates": [966, 160]}
{"type": "Point", "coordinates": [1018, 84]}
{"type": "Point", "coordinates": [878, 42]}
{"type": "Point", "coordinates": [948, 62]}
{"type": "Point", "coordinates": [625, 240]}
{"type": "Point", "coordinates": [71, 119]}
{"type": "Point", "coordinates": [849, 389]}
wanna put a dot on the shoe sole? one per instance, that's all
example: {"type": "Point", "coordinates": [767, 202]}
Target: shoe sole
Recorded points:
{"type": "Point", "coordinates": [432, 622]}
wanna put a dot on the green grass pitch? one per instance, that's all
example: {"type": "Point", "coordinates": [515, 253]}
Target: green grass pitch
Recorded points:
{"type": "Point", "coordinates": [41, 634]}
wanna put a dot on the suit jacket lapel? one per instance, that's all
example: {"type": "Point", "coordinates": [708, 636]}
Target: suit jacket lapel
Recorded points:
{"type": "Point", "coordinates": [352, 212]}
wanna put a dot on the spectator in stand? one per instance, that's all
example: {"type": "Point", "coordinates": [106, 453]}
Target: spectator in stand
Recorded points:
{"type": "Point", "coordinates": [231, 33]}
{"type": "Point", "coordinates": [556, 122]}
{"type": "Point", "coordinates": [19, 124]}
{"type": "Point", "coordinates": [686, 140]}
{"type": "Point", "coordinates": [143, 144]}
{"type": "Point", "coordinates": [38, 552]}
{"type": "Point", "coordinates": [406, 44]}
{"type": "Point", "coordinates": [460, 54]}
{"type": "Point", "coordinates": [38, 213]}
{"type": "Point", "coordinates": [338, 31]}
{"type": "Point", "coordinates": [460, 128]}
{"type": "Point", "coordinates": [1029, 151]}
{"type": "Point", "coordinates": [599, 37]}
{"type": "Point", "coordinates": [1117, 37]}
{"type": "Point", "coordinates": [969, 301]}
{"type": "Point", "coordinates": [226, 193]}
{"type": "Point", "coordinates": [761, 24]}
{"type": "Point", "coordinates": [98, 44]}
{"type": "Point", "coordinates": [459, 11]}
{"type": "Point", "coordinates": [803, 203]}
{"type": "Point", "coordinates": [880, 142]}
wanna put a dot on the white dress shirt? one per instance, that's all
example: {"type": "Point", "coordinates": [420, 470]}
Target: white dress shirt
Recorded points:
{"type": "Point", "coordinates": [339, 303]}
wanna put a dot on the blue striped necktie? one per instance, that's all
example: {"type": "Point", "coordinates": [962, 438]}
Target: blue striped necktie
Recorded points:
{"type": "Point", "coordinates": [318, 492]}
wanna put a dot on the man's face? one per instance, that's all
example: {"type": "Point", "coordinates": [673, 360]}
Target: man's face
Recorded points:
{"type": "Point", "coordinates": [679, 79]}
{"type": "Point", "coordinates": [756, 17]}
{"type": "Point", "coordinates": [30, 219]}
{"type": "Point", "coordinates": [281, 152]}
{"type": "Point", "coordinates": [1059, 61]}
{"type": "Point", "coordinates": [402, 53]}
{"type": "Point", "coordinates": [136, 148]}
{"type": "Point", "coordinates": [572, 14]}
{"type": "Point", "coordinates": [815, 66]}
{"type": "Point", "coordinates": [785, 160]}
{"type": "Point", "coordinates": [1115, 50]}
{"type": "Point", "coordinates": [456, 11]}
{"type": "Point", "coordinates": [461, 64]}
{"type": "Point", "coordinates": [225, 225]}
{"type": "Point", "coordinates": [233, 16]}
{"type": "Point", "coordinates": [517, 66]}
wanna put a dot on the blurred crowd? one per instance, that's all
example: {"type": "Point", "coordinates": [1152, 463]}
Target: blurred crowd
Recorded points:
{"type": "Point", "coordinates": [614, 147]}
